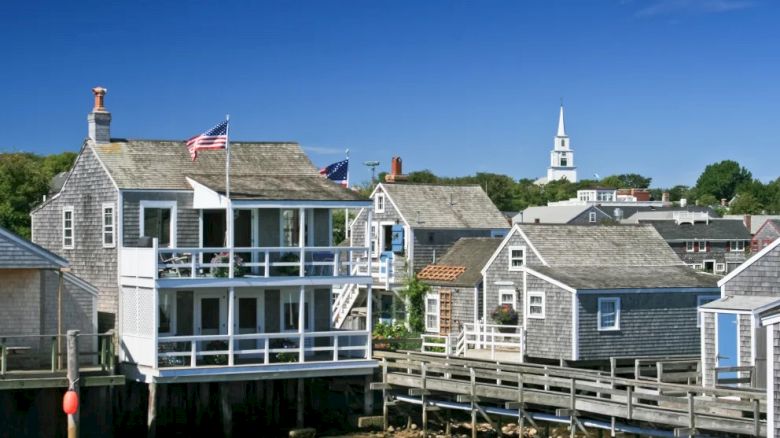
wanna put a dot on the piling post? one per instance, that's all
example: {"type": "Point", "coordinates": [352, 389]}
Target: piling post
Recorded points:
{"type": "Point", "coordinates": [473, 403]}
{"type": "Point", "coordinates": [423, 398]}
{"type": "Point", "coordinates": [151, 412]}
{"type": "Point", "coordinates": [384, 395]}
{"type": "Point", "coordinates": [73, 379]}
{"type": "Point", "coordinates": [368, 397]}
{"type": "Point", "coordinates": [299, 405]}
{"type": "Point", "coordinates": [227, 412]}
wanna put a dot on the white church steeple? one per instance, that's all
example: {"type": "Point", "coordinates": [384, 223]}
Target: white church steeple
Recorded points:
{"type": "Point", "coordinates": [562, 156]}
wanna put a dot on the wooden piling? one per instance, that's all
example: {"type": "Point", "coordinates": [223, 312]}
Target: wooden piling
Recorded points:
{"type": "Point", "coordinates": [73, 378]}
{"type": "Point", "coordinates": [299, 405]}
{"type": "Point", "coordinates": [151, 412]}
{"type": "Point", "coordinates": [226, 408]}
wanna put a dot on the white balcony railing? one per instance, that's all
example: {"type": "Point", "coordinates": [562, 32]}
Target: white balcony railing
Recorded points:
{"type": "Point", "coordinates": [262, 348]}
{"type": "Point", "coordinates": [247, 262]}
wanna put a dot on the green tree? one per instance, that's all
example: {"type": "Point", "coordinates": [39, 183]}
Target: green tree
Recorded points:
{"type": "Point", "coordinates": [746, 203]}
{"type": "Point", "coordinates": [414, 295]}
{"type": "Point", "coordinates": [707, 200]}
{"type": "Point", "coordinates": [722, 179]}
{"type": "Point", "coordinates": [626, 181]}
{"type": "Point", "coordinates": [422, 176]}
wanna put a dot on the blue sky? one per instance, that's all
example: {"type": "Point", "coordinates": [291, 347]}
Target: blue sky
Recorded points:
{"type": "Point", "coordinates": [657, 87]}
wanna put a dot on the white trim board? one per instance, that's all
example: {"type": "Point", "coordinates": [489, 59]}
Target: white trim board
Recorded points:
{"type": "Point", "coordinates": [749, 262]}
{"type": "Point", "coordinates": [515, 228]}
{"type": "Point", "coordinates": [551, 280]}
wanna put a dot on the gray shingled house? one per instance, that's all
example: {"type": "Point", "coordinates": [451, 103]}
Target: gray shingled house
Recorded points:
{"type": "Point", "coordinates": [32, 283]}
{"type": "Point", "coordinates": [712, 245]}
{"type": "Point", "coordinates": [734, 327]}
{"type": "Point", "coordinates": [456, 285]}
{"type": "Point", "coordinates": [205, 284]}
{"type": "Point", "coordinates": [766, 234]}
{"type": "Point", "coordinates": [562, 214]}
{"type": "Point", "coordinates": [412, 226]}
{"type": "Point", "coordinates": [592, 292]}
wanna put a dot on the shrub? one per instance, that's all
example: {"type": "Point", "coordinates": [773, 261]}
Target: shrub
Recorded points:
{"type": "Point", "coordinates": [504, 314]}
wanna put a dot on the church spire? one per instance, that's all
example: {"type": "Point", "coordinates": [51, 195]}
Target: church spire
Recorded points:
{"type": "Point", "coordinates": [561, 128]}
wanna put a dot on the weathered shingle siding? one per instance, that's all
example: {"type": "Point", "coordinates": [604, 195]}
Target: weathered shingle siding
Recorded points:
{"type": "Point", "coordinates": [78, 306]}
{"type": "Point", "coordinates": [760, 278]}
{"type": "Point", "coordinates": [462, 305]}
{"type": "Point", "coordinates": [498, 271]}
{"type": "Point", "coordinates": [651, 323]}
{"type": "Point", "coordinates": [357, 229]}
{"type": "Point", "coordinates": [718, 251]}
{"type": "Point", "coordinates": [550, 337]}
{"type": "Point", "coordinates": [87, 188]}
{"type": "Point", "coordinates": [187, 218]}
{"type": "Point", "coordinates": [584, 217]}
{"type": "Point", "coordinates": [20, 296]}
{"type": "Point", "coordinates": [430, 245]}
{"type": "Point", "coordinates": [745, 331]}
{"type": "Point", "coordinates": [709, 355]}
{"type": "Point", "coordinates": [774, 392]}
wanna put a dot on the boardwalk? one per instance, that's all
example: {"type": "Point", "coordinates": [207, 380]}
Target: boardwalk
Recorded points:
{"type": "Point", "coordinates": [583, 397]}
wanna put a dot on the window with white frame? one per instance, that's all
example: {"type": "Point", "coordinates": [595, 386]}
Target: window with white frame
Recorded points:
{"type": "Point", "coordinates": [703, 246]}
{"type": "Point", "coordinates": [737, 245]}
{"type": "Point", "coordinates": [109, 218]}
{"type": "Point", "coordinates": [158, 220]}
{"type": "Point", "coordinates": [379, 203]}
{"type": "Point", "coordinates": [720, 267]}
{"type": "Point", "coordinates": [592, 217]}
{"type": "Point", "coordinates": [689, 246]}
{"type": "Point", "coordinates": [609, 313]}
{"type": "Point", "coordinates": [535, 308]}
{"type": "Point", "coordinates": [507, 296]}
{"type": "Point", "coordinates": [700, 301]}
{"type": "Point", "coordinates": [432, 312]}
{"type": "Point", "coordinates": [516, 257]}
{"type": "Point", "coordinates": [68, 238]}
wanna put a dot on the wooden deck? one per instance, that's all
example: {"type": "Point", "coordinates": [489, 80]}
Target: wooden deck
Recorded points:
{"type": "Point", "coordinates": [574, 395]}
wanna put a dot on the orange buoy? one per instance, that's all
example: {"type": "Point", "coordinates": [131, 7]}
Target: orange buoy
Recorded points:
{"type": "Point", "coordinates": [70, 402]}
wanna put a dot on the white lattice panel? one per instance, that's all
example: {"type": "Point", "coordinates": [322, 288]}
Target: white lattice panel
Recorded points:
{"type": "Point", "coordinates": [129, 311]}
{"type": "Point", "coordinates": [146, 312]}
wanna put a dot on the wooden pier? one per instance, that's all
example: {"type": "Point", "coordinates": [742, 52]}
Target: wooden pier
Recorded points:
{"type": "Point", "coordinates": [580, 396]}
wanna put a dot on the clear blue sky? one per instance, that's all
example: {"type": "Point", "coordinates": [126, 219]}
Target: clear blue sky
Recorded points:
{"type": "Point", "coordinates": [657, 87]}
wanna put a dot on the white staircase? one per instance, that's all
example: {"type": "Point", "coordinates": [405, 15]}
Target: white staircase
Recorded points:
{"type": "Point", "coordinates": [344, 303]}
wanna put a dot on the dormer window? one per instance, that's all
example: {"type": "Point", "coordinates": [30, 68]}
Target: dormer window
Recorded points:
{"type": "Point", "coordinates": [737, 245]}
{"type": "Point", "coordinates": [379, 203]}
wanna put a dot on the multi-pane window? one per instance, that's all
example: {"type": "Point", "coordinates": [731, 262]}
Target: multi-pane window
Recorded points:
{"type": "Point", "coordinates": [507, 296]}
{"type": "Point", "coordinates": [432, 312]}
{"type": "Point", "coordinates": [108, 226]}
{"type": "Point", "coordinates": [592, 217]}
{"type": "Point", "coordinates": [67, 228]}
{"type": "Point", "coordinates": [157, 223]}
{"type": "Point", "coordinates": [609, 314]}
{"type": "Point", "coordinates": [516, 257]}
{"type": "Point", "coordinates": [703, 246]}
{"type": "Point", "coordinates": [290, 227]}
{"type": "Point", "coordinates": [689, 246]}
{"type": "Point", "coordinates": [737, 245]}
{"type": "Point", "coordinates": [379, 203]}
{"type": "Point", "coordinates": [535, 308]}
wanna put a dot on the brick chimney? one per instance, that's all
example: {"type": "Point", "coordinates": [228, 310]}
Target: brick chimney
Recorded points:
{"type": "Point", "coordinates": [99, 120]}
{"type": "Point", "coordinates": [665, 197]}
{"type": "Point", "coordinates": [396, 171]}
{"type": "Point", "coordinates": [748, 221]}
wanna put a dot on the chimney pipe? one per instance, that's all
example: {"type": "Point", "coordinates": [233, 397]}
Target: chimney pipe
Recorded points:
{"type": "Point", "coordinates": [748, 221]}
{"type": "Point", "coordinates": [99, 120]}
{"type": "Point", "coordinates": [396, 171]}
{"type": "Point", "coordinates": [665, 197]}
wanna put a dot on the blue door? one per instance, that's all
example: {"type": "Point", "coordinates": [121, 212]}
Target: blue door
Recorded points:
{"type": "Point", "coordinates": [727, 342]}
{"type": "Point", "coordinates": [398, 239]}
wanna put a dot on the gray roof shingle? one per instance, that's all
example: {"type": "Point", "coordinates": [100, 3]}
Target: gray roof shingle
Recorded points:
{"type": "Point", "coordinates": [17, 252]}
{"type": "Point", "coordinates": [600, 245]}
{"type": "Point", "coordinates": [265, 170]}
{"type": "Point", "coordinates": [716, 229]}
{"type": "Point", "coordinates": [445, 207]}
{"type": "Point", "coordinates": [472, 253]}
{"type": "Point", "coordinates": [630, 277]}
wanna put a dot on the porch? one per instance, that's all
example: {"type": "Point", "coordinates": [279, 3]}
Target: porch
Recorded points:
{"type": "Point", "coordinates": [480, 340]}
{"type": "Point", "coordinates": [214, 331]}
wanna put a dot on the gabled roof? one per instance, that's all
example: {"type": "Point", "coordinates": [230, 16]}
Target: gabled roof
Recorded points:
{"type": "Point", "coordinates": [628, 277]}
{"type": "Point", "coordinates": [774, 223]}
{"type": "Point", "coordinates": [599, 245]}
{"type": "Point", "coordinates": [445, 206]}
{"type": "Point", "coordinates": [553, 214]}
{"type": "Point", "coordinates": [756, 220]}
{"type": "Point", "coordinates": [17, 252]}
{"type": "Point", "coordinates": [715, 229]}
{"type": "Point", "coordinates": [469, 253]}
{"type": "Point", "coordinates": [757, 256]}
{"type": "Point", "coordinates": [265, 170]}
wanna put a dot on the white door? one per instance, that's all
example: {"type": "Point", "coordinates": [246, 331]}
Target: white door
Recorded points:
{"type": "Point", "coordinates": [249, 319]}
{"type": "Point", "coordinates": [211, 319]}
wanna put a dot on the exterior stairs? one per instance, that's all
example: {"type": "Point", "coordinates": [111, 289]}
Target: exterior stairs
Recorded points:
{"type": "Point", "coordinates": [344, 303]}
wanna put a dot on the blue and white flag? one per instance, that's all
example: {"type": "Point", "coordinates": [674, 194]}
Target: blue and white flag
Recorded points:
{"type": "Point", "coordinates": [338, 172]}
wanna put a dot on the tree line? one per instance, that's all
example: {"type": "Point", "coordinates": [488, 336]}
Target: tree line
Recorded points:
{"type": "Point", "coordinates": [25, 178]}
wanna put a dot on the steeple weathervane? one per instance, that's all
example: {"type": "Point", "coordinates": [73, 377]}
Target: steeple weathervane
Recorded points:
{"type": "Point", "coordinates": [561, 128]}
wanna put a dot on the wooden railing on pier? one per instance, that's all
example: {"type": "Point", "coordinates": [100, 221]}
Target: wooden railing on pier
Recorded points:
{"type": "Point", "coordinates": [574, 393]}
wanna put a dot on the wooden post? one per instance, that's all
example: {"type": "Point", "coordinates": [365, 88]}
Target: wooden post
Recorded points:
{"type": "Point", "coordinates": [368, 397]}
{"type": "Point", "coordinates": [299, 405]}
{"type": "Point", "coordinates": [151, 412]}
{"type": "Point", "coordinates": [59, 322]}
{"type": "Point", "coordinates": [227, 411]}
{"type": "Point", "coordinates": [629, 403]}
{"type": "Point", "coordinates": [73, 379]}
{"type": "Point", "coordinates": [384, 395]}
{"type": "Point", "coordinates": [424, 407]}
{"type": "Point", "coordinates": [573, 407]}
{"type": "Point", "coordinates": [473, 403]}
{"type": "Point", "coordinates": [520, 413]}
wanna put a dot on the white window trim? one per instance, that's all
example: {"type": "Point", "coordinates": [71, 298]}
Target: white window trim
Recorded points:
{"type": "Point", "coordinates": [71, 210]}
{"type": "Point", "coordinates": [702, 243]}
{"type": "Point", "coordinates": [616, 327]}
{"type": "Point", "coordinates": [592, 217]}
{"type": "Point", "coordinates": [509, 256]}
{"type": "Point", "coordinates": [379, 207]}
{"type": "Point", "coordinates": [737, 245]}
{"type": "Point", "coordinates": [689, 246]}
{"type": "Point", "coordinates": [113, 224]}
{"type": "Point", "coordinates": [428, 296]}
{"type": "Point", "coordinates": [720, 267]}
{"type": "Point", "coordinates": [699, 303]}
{"type": "Point", "coordinates": [144, 204]}
{"type": "Point", "coordinates": [508, 291]}
{"type": "Point", "coordinates": [528, 313]}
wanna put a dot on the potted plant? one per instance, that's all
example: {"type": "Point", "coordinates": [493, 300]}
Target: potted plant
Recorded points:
{"type": "Point", "coordinates": [224, 257]}
{"type": "Point", "coordinates": [504, 314]}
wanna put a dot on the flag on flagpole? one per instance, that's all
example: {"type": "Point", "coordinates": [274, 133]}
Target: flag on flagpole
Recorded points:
{"type": "Point", "coordinates": [337, 172]}
{"type": "Point", "coordinates": [214, 138]}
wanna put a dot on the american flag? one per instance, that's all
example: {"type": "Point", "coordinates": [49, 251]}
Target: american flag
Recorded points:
{"type": "Point", "coordinates": [214, 138]}
{"type": "Point", "coordinates": [338, 172]}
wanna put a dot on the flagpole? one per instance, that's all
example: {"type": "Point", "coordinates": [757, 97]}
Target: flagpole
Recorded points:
{"type": "Point", "coordinates": [346, 210]}
{"type": "Point", "coordinates": [229, 205]}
